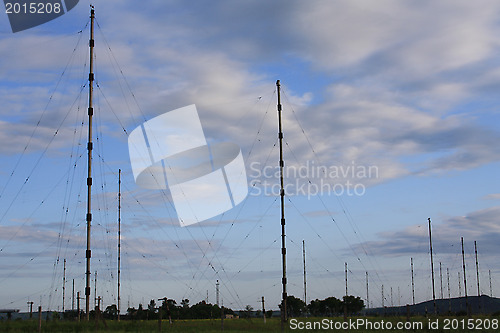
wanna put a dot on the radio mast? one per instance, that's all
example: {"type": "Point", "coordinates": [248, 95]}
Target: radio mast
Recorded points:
{"type": "Point", "coordinates": [282, 195]}
{"type": "Point", "coordinates": [89, 163]}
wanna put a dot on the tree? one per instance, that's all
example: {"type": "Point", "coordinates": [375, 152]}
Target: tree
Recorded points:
{"type": "Point", "coordinates": [247, 313]}
{"type": "Point", "coordinates": [326, 307]}
{"type": "Point", "coordinates": [141, 314]}
{"type": "Point", "coordinates": [333, 305]}
{"type": "Point", "coordinates": [168, 308]}
{"type": "Point", "coordinates": [353, 304]}
{"type": "Point", "coordinates": [111, 312]}
{"type": "Point", "coordinates": [151, 309]}
{"type": "Point", "coordinates": [316, 308]}
{"type": "Point", "coordinates": [294, 306]}
{"type": "Point", "coordinates": [203, 310]}
{"type": "Point", "coordinates": [131, 312]}
{"type": "Point", "coordinates": [185, 303]}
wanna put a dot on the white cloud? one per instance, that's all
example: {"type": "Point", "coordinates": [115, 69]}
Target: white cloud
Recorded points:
{"type": "Point", "coordinates": [481, 225]}
{"type": "Point", "coordinates": [493, 196]}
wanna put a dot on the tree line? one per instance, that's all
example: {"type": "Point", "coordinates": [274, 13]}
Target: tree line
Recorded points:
{"type": "Point", "coordinates": [169, 309]}
{"type": "Point", "coordinates": [328, 307]}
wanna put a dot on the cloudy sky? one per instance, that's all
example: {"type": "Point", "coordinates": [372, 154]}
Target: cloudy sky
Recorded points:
{"type": "Point", "coordinates": [390, 117]}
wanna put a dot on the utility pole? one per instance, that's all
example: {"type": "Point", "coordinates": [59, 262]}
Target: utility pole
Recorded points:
{"type": "Point", "coordinates": [159, 318]}
{"type": "Point", "coordinates": [222, 317]}
{"type": "Point", "coordinates": [412, 283]}
{"type": "Point", "coordinates": [282, 195]}
{"type": "Point", "coordinates": [78, 304]}
{"type": "Point", "coordinates": [98, 307]}
{"type": "Point", "coordinates": [477, 270]}
{"type": "Point", "coordinates": [217, 293]}
{"type": "Point", "coordinates": [367, 293]}
{"type": "Point", "coordinates": [263, 310]}
{"type": "Point", "coordinates": [40, 319]}
{"type": "Point", "coordinates": [465, 278]}
{"type": "Point", "coordinates": [119, 235]}
{"type": "Point", "coordinates": [98, 312]}
{"type": "Point", "coordinates": [64, 285]}
{"type": "Point", "coordinates": [432, 268]}
{"type": "Point", "coordinates": [392, 302]}
{"type": "Point", "coordinates": [31, 308]}
{"type": "Point", "coordinates": [73, 297]}
{"type": "Point", "coordinates": [168, 309]}
{"type": "Point", "coordinates": [304, 260]}
{"type": "Point", "coordinates": [89, 163]}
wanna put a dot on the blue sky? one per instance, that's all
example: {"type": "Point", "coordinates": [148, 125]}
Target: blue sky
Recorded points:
{"type": "Point", "coordinates": [407, 87]}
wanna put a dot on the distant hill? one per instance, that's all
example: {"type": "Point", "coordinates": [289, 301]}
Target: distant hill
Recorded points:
{"type": "Point", "coordinates": [477, 305]}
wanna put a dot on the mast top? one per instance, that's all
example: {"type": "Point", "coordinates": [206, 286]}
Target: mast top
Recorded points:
{"type": "Point", "coordinates": [278, 82]}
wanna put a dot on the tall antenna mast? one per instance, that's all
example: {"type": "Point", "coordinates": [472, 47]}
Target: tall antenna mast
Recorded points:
{"type": "Point", "coordinates": [119, 233]}
{"type": "Point", "coordinates": [217, 291]}
{"type": "Point", "coordinates": [367, 293]}
{"type": "Point", "coordinates": [382, 295]}
{"type": "Point", "coordinates": [89, 163]}
{"type": "Point", "coordinates": [95, 289]}
{"type": "Point", "coordinates": [282, 195]}
{"type": "Point", "coordinates": [346, 293]}
{"type": "Point", "coordinates": [465, 278]}
{"type": "Point", "coordinates": [491, 288]}
{"type": "Point", "coordinates": [345, 298]}
{"type": "Point", "coordinates": [64, 286]}
{"type": "Point", "coordinates": [459, 285]}
{"type": "Point", "coordinates": [432, 268]}
{"type": "Point", "coordinates": [304, 260]}
{"type": "Point", "coordinates": [73, 298]}
{"type": "Point", "coordinates": [449, 290]}
{"type": "Point", "coordinates": [477, 270]}
{"type": "Point", "coordinates": [441, 278]}
{"type": "Point", "coordinates": [412, 283]}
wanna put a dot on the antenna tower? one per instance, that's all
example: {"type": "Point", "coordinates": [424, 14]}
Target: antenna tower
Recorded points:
{"type": "Point", "coordinates": [432, 268]}
{"type": "Point", "coordinates": [119, 235]}
{"type": "Point", "coordinates": [89, 163]}
{"type": "Point", "coordinates": [282, 195]}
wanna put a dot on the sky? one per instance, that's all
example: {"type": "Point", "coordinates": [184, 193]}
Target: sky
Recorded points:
{"type": "Point", "coordinates": [389, 118]}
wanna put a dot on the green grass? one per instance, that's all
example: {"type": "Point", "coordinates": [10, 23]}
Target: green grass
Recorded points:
{"type": "Point", "coordinates": [199, 325]}
{"type": "Point", "coordinates": [238, 325]}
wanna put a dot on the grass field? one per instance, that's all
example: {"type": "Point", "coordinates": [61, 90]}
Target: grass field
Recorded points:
{"type": "Point", "coordinates": [356, 324]}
